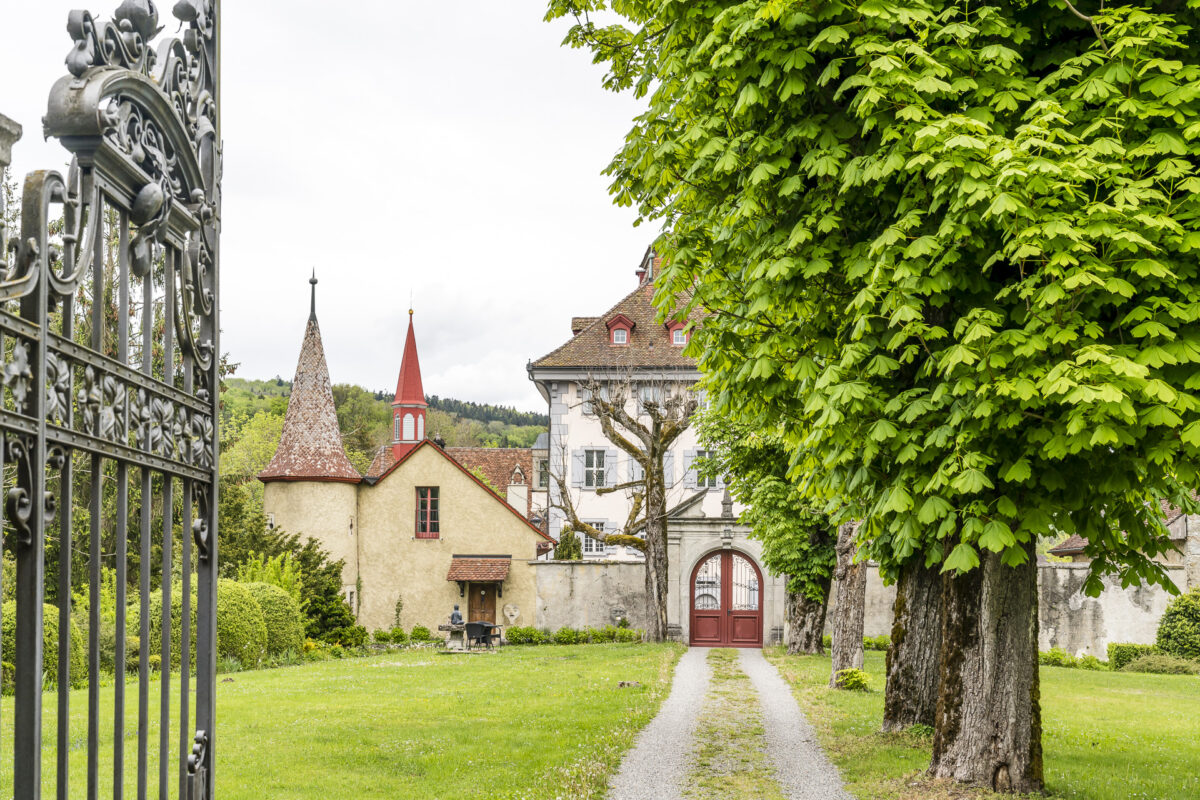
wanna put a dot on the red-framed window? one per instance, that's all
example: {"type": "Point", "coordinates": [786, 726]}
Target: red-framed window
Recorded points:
{"type": "Point", "coordinates": [427, 512]}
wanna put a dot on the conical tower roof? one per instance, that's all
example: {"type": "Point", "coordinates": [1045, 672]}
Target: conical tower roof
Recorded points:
{"type": "Point", "coordinates": [311, 445]}
{"type": "Point", "coordinates": [409, 391]}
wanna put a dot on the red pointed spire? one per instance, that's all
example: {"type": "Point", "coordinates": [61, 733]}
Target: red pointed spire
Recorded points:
{"type": "Point", "coordinates": [408, 387]}
{"type": "Point", "coordinates": [408, 407]}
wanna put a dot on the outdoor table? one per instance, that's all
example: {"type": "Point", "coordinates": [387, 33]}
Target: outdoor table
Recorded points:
{"type": "Point", "coordinates": [457, 640]}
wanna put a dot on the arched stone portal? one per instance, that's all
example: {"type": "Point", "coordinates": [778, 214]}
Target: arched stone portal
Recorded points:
{"type": "Point", "coordinates": [726, 601]}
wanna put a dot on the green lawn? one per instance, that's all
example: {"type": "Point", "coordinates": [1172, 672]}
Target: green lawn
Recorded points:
{"type": "Point", "coordinates": [1107, 735]}
{"type": "Point", "coordinates": [523, 722]}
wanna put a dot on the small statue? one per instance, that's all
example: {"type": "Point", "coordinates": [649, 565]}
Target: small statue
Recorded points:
{"type": "Point", "coordinates": [455, 617]}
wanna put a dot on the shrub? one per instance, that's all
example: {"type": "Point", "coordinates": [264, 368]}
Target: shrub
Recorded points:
{"type": "Point", "coordinates": [1121, 653]}
{"type": "Point", "coordinates": [628, 635]}
{"type": "Point", "coordinates": [1162, 664]}
{"type": "Point", "coordinates": [420, 634]}
{"type": "Point", "coordinates": [8, 676]}
{"type": "Point", "coordinates": [606, 634]}
{"type": "Point", "coordinates": [282, 570]}
{"type": "Point", "coordinates": [1090, 662]}
{"type": "Point", "coordinates": [854, 680]}
{"type": "Point", "coordinates": [282, 615]}
{"type": "Point", "coordinates": [882, 642]}
{"type": "Point", "coordinates": [1179, 628]}
{"type": "Point", "coordinates": [382, 637]}
{"type": "Point", "coordinates": [346, 636]}
{"type": "Point", "coordinates": [287, 658]}
{"type": "Point", "coordinates": [227, 664]}
{"type": "Point", "coordinates": [521, 635]}
{"type": "Point", "coordinates": [1056, 657]}
{"type": "Point", "coordinates": [241, 629]}
{"type": "Point", "coordinates": [827, 641]}
{"type": "Point", "coordinates": [78, 658]}
{"type": "Point", "coordinates": [399, 636]}
{"type": "Point", "coordinates": [566, 636]}
{"type": "Point", "coordinates": [133, 616]}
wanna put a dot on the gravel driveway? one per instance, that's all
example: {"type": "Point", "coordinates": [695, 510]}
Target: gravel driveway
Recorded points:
{"type": "Point", "coordinates": [663, 755]}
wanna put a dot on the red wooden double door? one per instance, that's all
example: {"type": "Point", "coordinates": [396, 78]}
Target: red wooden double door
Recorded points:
{"type": "Point", "coordinates": [726, 602]}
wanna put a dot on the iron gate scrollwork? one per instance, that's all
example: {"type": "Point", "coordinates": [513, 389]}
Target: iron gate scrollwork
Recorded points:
{"type": "Point", "coordinates": [108, 412]}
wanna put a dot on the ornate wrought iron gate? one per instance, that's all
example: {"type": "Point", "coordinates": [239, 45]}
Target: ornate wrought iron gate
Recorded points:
{"type": "Point", "coordinates": [108, 442]}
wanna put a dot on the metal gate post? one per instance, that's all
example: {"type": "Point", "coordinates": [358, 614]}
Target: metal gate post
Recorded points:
{"type": "Point", "coordinates": [140, 227]}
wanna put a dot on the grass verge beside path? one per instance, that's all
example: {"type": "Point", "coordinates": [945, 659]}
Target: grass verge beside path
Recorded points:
{"type": "Point", "coordinates": [1106, 735]}
{"type": "Point", "coordinates": [731, 759]}
{"type": "Point", "coordinates": [520, 723]}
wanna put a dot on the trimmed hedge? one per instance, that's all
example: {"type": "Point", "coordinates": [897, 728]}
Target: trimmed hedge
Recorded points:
{"type": "Point", "coordinates": [282, 615]}
{"type": "Point", "coordinates": [78, 659]}
{"type": "Point", "coordinates": [881, 642]}
{"type": "Point", "coordinates": [1179, 628]}
{"type": "Point", "coordinates": [1162, 664]}
{"type": "Point", "coordinates": [133, 616]}
{"type": "Point", "coordinates": [241, 628]}
{"type": "Point", "coordinates": [420, 634]}
{"type": "Point", "coordinates": [609, 633]}
{"type": "Point", "coordinates": [1121, 653]}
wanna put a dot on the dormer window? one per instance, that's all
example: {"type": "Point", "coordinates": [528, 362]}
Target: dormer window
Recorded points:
{"type": "Point", "coordinates": [619, 328]}
{"type": "Point", "coordinates": [678, 334]}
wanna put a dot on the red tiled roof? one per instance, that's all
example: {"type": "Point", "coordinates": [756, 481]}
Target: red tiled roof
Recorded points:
{"type": "Point", "coordinates": [1075, 544]}
{"type": "Point", "coordinates": [649, 342]}
{"type": "Point", "coordinates": [579, 323]}
{"type": "Point", "coordinates": [311, 445]}
{"type": "Point", "coordinates": [383, 461]}
{"type": "Point", "coordinates": [396, 463]}
{"type": "Point", "coordinates": [1071, 547]}
{"type": "Point", "coordinates": [408, 385]}
{"type": "Point", "coordinates": [475, 568]}
{"type": "Point", "coordinates": [498, 465]}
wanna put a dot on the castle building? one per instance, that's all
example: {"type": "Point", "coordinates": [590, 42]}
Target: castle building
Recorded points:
{"type": "Point", "coordinates": [419, 533]}
{"type": "Point", "coordinates": [718, 591]}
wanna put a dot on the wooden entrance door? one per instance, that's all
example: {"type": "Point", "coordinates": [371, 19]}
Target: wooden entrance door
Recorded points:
{"type": "Point", "coordinates": [482, 604]}
{"type": "Point", "coordinates": [726, 602]}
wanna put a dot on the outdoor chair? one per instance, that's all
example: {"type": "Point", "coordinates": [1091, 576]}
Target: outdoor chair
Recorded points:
{"type": "Point", "coordinates": [479, 633]}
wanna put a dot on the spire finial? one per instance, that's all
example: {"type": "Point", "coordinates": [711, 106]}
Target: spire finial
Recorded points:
{"type": "Point", "coordinates": [312, 313]}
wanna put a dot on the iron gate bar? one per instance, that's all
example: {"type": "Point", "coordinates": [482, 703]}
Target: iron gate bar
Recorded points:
{"type": "Point", "coordinates": [142, 121]}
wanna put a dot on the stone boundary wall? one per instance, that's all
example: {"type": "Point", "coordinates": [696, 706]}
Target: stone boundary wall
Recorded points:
{"type": "Point", "coordinates": [589, 594]}
{"type": "Point", "coordinates": [581, 594]}
{"type": "Point", "coordinates": [1084, 625]}
{"type": "Point", "coordinates": [1067, 617]}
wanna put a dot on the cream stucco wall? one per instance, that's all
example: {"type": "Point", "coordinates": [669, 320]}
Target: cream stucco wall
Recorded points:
{"type": "Point", "coordinates": [325, 511]}
{"type": "Point", "coordinates": [395, 564]}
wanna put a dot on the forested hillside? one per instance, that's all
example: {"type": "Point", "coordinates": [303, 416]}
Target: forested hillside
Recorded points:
{"type": "Point", "coordinates": [487, 413]}
{"type": "Point", "coordinates": [252, 417]}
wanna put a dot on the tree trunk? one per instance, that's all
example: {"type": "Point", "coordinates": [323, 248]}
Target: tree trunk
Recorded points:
{"type": "Point", "coordinates": [988, 729]}
{"type": "Point", "coordinates": [806, 623]}
{"type": "Point", "coordinates": [656, 555]}
{"type": "Point", "coordinates": [847, 644]}
{"type": "Point", "coordinates": [912, 660]}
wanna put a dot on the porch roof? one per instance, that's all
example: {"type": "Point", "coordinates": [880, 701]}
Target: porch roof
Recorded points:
{"type": "Point", "coordinates": [481, 569]}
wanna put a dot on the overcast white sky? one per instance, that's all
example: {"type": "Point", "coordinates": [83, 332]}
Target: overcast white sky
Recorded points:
{"type": "Point", "coordinates": [450, 150]}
